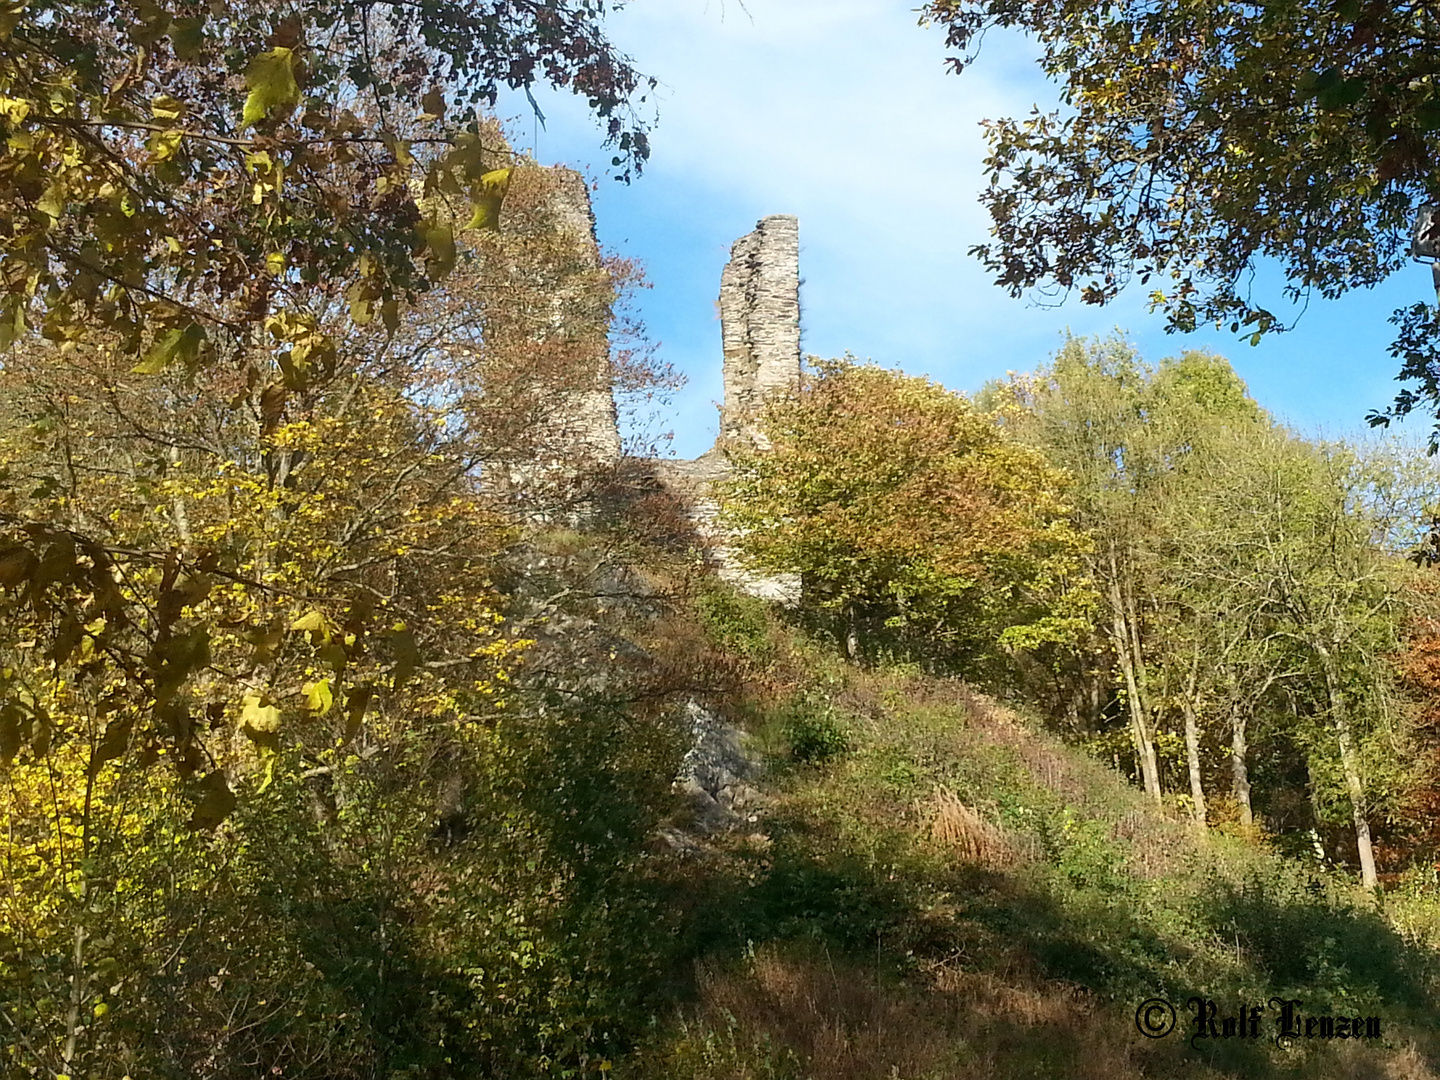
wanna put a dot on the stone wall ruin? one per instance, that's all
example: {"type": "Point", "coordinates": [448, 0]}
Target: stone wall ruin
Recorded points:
{"type": "Point", "coordinates": [760, 335]}
{"type": "Point", "coordinates": [760, 323]}
{"type": "Point", "coordinates": [759, 308]}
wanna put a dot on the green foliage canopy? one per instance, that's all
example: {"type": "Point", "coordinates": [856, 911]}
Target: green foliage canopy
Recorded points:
{"type": "Point", "coordinates": [1198, 139]}
{"type": "Point", "coordinates": [903, 507]}
{"type": "Point", "coordinates": [178, 173]}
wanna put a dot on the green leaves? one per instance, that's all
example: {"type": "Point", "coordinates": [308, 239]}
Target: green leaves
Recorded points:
{"type": "Point", "coordinates": [187, 37]}
{"type": "Point", "coordinates": [905, 511]}
{"type": "Point", "coordinates": [214, 804]}
{"type": "Point", "coordinates": [1330, 89]}
{"type": "Point", "coordinates": [1299, 132]}
{"type": "Point", "coordinates": [270, 79]}
{"type": "Point", "coordinates": [181, 344]}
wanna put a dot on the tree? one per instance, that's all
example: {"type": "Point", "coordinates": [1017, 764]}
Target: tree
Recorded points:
{"type": "Point", "coordinates": [909, 514]}
{"type": "Point", "coordinates": [1089, 413]}
{"type": "Point", "coordinates": [1199, 139]}
{"type": "Point", "coordinates": [244, 199]}
{"type": "Point", "coordinates": [221, 807]}
{"type": "Point", "coordinates": [1306, 540]}
{"type": "Point", "coordinates": [188, 170]}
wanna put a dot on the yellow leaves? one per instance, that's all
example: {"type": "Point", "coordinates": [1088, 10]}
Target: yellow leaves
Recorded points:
{"type": "Point", "coordinates": [319, 697]}
{"type": "Point", "coordinates": [52, 203]}
{"type": "Point", "coordinates": [164, 146]}
{"type": "Point", "coordinates": [270, 79]}
{"type": "Point", "coordinates": [260, 723]}
{"type": "Point", "coordinates": [316, 625]}
{"type": "Point", "coordinates": [165, 107]}
{"type": "Point", "coordinates": [300, 344]}
{"type": "Point", "coordinates": [439, 239]}
{"type": "Point", "coordinates": [362, 296]}
{"type": "Point", "coordinates": [269, 175]}
{"type": "Point", "coordinates": [256, 716]}
{"type": "Point", "coordinates": [14, 109]}
{"type": "Point", "coordinates": [489, 196]}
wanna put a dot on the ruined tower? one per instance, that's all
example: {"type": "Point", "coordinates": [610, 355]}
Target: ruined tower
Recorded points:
{"type": "Point", "coordinates": [584, 415]}
{"type": "Point", "coordinates": [760, 334]}
{"type": "Point", "coordinates": [760, 323]}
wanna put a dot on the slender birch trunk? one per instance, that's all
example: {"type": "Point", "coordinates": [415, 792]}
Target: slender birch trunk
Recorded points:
{"type": "Point", "coordinates": [1239, 769]}
{"type": "Point", "coordinates": [1350, 764]}
{"type": "Point", "coordinates": [1125, 641]}
{"type": "Point", "coordinates": [1139, 723]}
{"type": "Point", "coordinates": [1192, 743]}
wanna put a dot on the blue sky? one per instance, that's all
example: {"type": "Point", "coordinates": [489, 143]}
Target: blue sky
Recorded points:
{"type": "Point", "coordinates": [843, 113]}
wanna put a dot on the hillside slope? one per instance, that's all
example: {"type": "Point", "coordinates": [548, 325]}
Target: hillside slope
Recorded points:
{"type": "Point", "coordinates": [940, 889]}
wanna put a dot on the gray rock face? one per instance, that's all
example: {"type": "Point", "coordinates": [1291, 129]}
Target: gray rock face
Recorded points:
{"type": "Point", "coordinates": [760, 322]}
{"type": "Point", "coordinates": [717, 772]}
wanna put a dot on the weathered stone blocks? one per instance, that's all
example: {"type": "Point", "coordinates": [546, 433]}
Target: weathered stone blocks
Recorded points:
{"type": "Point", "coordinates": [760, 322]}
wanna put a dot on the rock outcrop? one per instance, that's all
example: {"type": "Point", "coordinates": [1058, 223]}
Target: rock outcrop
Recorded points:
{"type": "Point", "coordinates": [719, 774]}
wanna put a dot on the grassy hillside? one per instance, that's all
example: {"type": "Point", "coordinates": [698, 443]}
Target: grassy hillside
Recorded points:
{"type": "Point", "coordinates": [940, 889]}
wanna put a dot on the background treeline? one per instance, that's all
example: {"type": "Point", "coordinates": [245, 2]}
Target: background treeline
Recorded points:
{"type": "Point", "coordinates": [1239, 617]}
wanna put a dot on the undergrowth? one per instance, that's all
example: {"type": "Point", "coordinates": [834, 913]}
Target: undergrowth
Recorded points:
{"type": "Point", "coordinates": [942, 890]}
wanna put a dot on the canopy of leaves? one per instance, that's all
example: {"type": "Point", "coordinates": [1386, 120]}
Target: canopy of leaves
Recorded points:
{"type": "Point", "coordinates": [1200, 139]}
{"type": "Point", "coordinates": [207, 206]}
{"type": "Point", "coordinates": [178, 173]}
{"type": "Point", "coordinates": [905, 508]}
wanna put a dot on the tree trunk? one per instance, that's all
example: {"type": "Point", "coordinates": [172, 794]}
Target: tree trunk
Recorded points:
{"type": "Point", "coordinates": [1139, 724]}
{"type": "Point", "coordinates": [852, 635]}
{"type": "Point", "coordinates": [1350, 763]}
{"type": "Point", "coordinates": [1192, 744]}
{"type": "Point", "coordinates": [1239, 770]}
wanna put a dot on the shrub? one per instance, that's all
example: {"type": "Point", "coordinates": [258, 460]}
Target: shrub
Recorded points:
{"type": "Point", "coordinates": [813, 729]}
{"type": "Point", "coordinates": [736, 622]}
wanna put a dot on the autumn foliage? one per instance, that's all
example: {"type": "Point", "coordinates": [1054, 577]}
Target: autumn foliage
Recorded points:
{"type": "Point", "coordinates": [910, 515]}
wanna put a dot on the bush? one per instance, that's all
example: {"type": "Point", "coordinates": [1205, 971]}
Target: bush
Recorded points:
{"type": "Point", "coordinates": [813, 729]}
{"type": "Point", "coordinates": [736, 622]}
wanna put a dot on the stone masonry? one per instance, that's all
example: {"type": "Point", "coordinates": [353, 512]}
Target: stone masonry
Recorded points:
{"type": "Point", "coordinates": [760, 322]}
{"type": "Point", "coordinates": [586, 413]}
{"type": "Point", "coordinates": [760, 335]}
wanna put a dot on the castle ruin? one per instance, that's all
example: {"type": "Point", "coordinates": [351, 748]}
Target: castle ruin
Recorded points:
{"type": "Point", "coordinates": [760, 323]}
{"type": "Point", "coordinates": [760, 334]}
